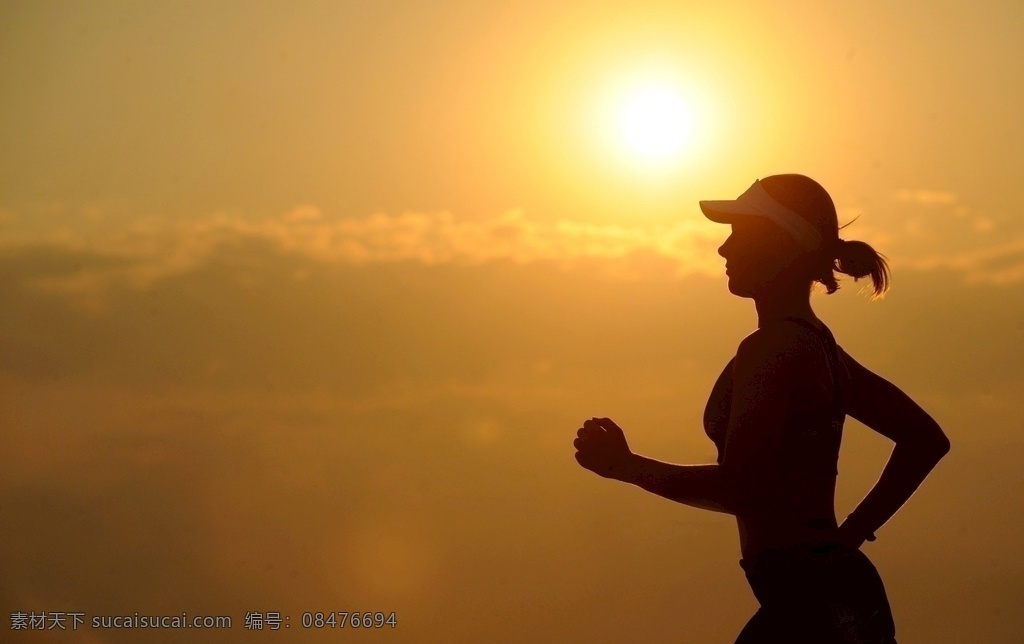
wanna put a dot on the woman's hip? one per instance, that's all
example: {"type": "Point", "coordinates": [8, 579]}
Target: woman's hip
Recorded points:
{"type": "Point", "coordinates": [829, 586]}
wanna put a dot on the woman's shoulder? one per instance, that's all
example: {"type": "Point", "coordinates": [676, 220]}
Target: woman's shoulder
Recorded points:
{"type": "Point", "coordinates": [779, 338]}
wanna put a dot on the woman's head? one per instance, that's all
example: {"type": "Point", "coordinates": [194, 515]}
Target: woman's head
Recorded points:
{"type": "Point", "coordinates": [785, 228]}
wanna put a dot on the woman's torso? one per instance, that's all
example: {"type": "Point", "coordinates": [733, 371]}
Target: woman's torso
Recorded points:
{"type": "Point", "coordinates": [801, 504]}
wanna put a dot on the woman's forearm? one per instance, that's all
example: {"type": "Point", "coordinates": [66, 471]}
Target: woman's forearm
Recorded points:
{"type": "Point", "coordinates": [907, 468]}
{"type": "Point", "coordinates": [697, 485]}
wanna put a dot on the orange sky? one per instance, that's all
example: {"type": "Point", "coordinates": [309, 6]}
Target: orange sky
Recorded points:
{"type": "Point", "coordinates": [302, 304]}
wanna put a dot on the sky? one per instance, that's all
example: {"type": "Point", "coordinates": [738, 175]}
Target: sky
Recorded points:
{"type": "Point", "coordinates": [302, 304]}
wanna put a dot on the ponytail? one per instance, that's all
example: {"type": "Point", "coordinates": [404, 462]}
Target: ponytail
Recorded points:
{"type": "Point", "coordinates": [854, 258]}
{"type": "Point", "coordinates": [858, 259]}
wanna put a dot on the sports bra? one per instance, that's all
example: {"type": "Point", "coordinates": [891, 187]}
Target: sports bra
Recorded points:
{"type": "Point", "coordinates": [811, 446]}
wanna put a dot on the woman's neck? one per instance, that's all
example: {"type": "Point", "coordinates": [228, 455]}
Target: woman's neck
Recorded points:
{"type": "Point", "coordinates": [774, 306]}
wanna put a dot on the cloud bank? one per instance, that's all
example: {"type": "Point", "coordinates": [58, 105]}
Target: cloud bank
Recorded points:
{"type": "Point", "coordinates": [150, 248]}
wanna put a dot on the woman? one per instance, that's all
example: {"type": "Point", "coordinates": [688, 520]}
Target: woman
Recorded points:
{"type": "Point", "coordinates": [776, 415]}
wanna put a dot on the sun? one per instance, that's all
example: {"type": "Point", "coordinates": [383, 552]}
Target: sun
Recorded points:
{"type": "Point", "coordinates": [656, 123]}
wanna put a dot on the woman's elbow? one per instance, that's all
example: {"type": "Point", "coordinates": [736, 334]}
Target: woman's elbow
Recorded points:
{"type": "Point", "coordinates": [940, 442]}
{"type": "Point", "coordinates": [936, 445]}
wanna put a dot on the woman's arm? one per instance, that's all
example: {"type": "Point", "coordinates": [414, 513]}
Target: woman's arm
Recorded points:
{"type": "Point", "coordinates": [907, 468]}
{"type": "Point", "coordinates": [920, 444]}
{"type": "Point", "coordinates": [768, 363]}
{"type": "Point", "coordinates": [884, 407]}
{"type": "Point", "coordinates": [601, 447]}
{"type": "Point", "coordinates": [699, 486]}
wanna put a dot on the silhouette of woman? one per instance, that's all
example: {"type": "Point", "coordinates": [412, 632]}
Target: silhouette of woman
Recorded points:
{"type": "Point", "coordinates": [776, 416]}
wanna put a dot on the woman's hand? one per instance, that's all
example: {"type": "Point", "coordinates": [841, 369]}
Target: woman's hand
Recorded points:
{"type": "Point", "coordinates": [601, 448]}
{"type": "Point", "coordinates": [851, 535]}
{"type": "Point", "coordinates": [848, 538]}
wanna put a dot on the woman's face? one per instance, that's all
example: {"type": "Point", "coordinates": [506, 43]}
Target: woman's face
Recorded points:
{"type": "Point", "coordinates": [756, 253]}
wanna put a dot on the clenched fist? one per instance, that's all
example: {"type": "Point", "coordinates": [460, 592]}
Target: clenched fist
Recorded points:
{"type": "Point", "coordinates": [601, 448]}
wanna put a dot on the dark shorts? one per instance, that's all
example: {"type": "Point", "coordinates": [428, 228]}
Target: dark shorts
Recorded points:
{"type": "Point", "coordinates": [817, 594]}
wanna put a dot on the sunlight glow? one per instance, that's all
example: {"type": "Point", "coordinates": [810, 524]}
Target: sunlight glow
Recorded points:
{"type": "Point", "coordinates": [656, 123]}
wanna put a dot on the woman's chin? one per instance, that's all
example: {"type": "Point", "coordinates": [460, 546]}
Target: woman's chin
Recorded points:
{"type": "Point", "coordinates": [738, 288]}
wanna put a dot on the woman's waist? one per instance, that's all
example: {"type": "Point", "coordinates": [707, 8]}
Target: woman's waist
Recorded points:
{"type": "Point", "coordinates": [790, 555]}
{"type": "Point", "coordinates": [761, 535]}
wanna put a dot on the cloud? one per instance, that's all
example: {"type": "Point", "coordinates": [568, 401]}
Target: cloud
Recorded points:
{"type": "Point", "coordinates": [925, 197]}
{"type": "Point", "coordinates": [145, 250]}
{"type": "Point", "coordinates": [153, 248]}
{"type": "Point", "coordinates": [440, 238]}
{"type": "Point", "coordinates": [983, 224]}
{"type": "Point", "coordinates": [964, 243]}
{"type": "Point", "coordinates": [1002, 264]}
